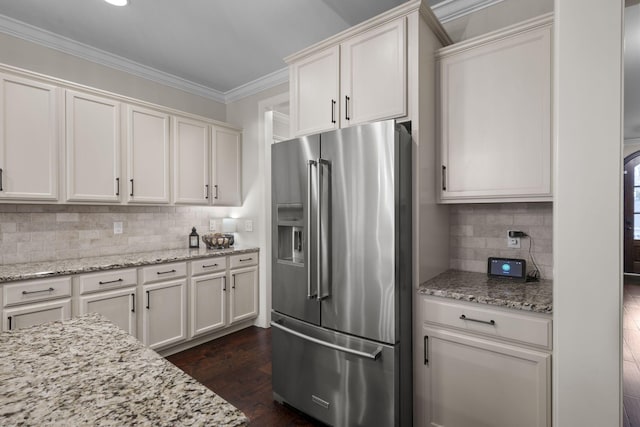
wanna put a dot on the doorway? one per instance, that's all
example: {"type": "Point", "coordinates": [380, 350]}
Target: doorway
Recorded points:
{"type": "Point", "coordinates": [632, 214]}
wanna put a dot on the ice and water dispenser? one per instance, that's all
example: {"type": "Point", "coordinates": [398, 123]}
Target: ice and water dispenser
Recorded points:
{"type": "Point", "coordinates": [291, 233]}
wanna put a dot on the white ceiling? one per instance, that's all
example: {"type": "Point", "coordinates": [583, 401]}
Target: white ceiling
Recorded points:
{"type": "Point", "coordinates": [218, 44]}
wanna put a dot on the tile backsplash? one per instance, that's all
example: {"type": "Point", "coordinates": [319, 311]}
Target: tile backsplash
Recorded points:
{"type": "Point", "coordinates": [31, 233]}
{"type": "Point", "coordinates": [479, 231]}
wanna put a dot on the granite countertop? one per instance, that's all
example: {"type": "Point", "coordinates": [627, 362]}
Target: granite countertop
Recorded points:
{"type": "Point", "coordinates": [87, 371]}
{"type": "Point", "coordinates": [478, 287]}
{"type": "Point", "coordinates": [35, 270]}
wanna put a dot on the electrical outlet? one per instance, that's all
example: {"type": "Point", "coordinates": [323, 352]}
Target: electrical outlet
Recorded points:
{"type": "Point", "coordinates": [213, 226]}
{"type": "Point", "coordinates": [513, 242]}
{"type": "Point", "coordinates": [117, 227]}
{"type": "Point", "coordinates": [248, 225]}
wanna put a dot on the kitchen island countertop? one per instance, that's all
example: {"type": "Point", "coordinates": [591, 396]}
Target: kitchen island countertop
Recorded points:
{"type": "Point", "coordinates": [477, 287]}
{"type": "Point", "coordinates": [36, 270]}
{"type": "Point", "coordinates": [87, 371]}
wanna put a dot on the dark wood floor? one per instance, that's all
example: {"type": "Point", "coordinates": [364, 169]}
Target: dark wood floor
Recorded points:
{"type": "Point", "coordinates": [631, 351]}
{"type": "Point", "coordinates": [237, 367]}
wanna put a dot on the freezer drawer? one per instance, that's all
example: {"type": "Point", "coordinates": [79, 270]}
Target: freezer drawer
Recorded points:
{"type": "Point", "coordinates": [354, 386]}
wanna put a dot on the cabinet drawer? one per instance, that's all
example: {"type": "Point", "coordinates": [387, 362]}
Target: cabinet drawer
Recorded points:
{"type": "Point", "coordinates": [107, 280]}
{"type": "Point", "coordinates": [243, 260]}
{"type": "Point", "coordinates": [516, 327]}
{"type": "Point", "coordinates": [36, 290]}
{"type": "Point", "coordinates": [208, 265]}
{"type": "Point", "coordinates": [164, 272]}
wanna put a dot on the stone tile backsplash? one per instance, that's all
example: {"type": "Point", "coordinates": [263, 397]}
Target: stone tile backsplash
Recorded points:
{"type": "Point", "coordinates": [31, 233]}
{"type": "Point", "coordinates": [479, 231]}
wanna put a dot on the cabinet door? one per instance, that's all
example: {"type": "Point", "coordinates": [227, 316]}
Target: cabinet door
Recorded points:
{"type": "Point", "coordinates": [244, 294]}
{"type": "Point", "coordinates": [373, 75]}
{"type": "Point", "coordinates": [36, 314]}
{"type": "Point", "coordinates": [477, 382]}
{"type": "Point", "coordinates": [208, 302]}
{"type": "Point", "coordinates": [226, 162]}
{"type": "Point", "coordinates": [314, 93]}
{"type": "Point", "coordinates": [191, 161]}
{"type": "Point", "coordinates": [29, 139]}
{"type": "Point", "coordinates": [164, 320]}
{"type": "Point", "coordinates": [496, 119]}
{"type": "Point", "coordinates": [118, 306]}
{"type": "Point", "coordinates": [93, 148]}
{"type": "Point", "coordinates": [147, 156]}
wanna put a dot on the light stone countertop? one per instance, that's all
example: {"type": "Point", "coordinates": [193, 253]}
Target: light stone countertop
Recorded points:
{"type": "Point", "coordinates": [37, 270]}
{"type": "Point", "coordinates": [87, 371]}
{"type": "Point", "coordinates": [478, 287]}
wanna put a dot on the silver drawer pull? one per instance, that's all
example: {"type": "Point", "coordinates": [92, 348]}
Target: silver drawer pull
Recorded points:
{"type": "Point", "coordinates": [246, 259]}
{"type": "Point", "coordinates": [165, 272]}
{"type": "Point", "coordinates": [490, 322]}
{"type": "Point", "coordinates": [209, 266]}
{"type": "Point", "coordinates": [37, 292]}
{"type": "Point", "coordinates": [109, 281]}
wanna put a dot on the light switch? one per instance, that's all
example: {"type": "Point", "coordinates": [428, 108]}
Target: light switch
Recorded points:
{"type": "Point", "coordinates": [248, 225]}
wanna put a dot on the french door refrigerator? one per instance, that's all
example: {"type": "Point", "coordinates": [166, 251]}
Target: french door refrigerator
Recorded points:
{"type": "Point", "coordinates": [341, 275]}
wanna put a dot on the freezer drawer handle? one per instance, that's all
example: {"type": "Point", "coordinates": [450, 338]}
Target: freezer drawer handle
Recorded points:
{"type": "Point", "coordinates": [372, 356]}
{"type": "Point", "coordinates": [490, 322]}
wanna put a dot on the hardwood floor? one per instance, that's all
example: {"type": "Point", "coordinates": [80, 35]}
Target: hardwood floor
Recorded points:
{"type": "Point", "coordinates": [631, 352]}
{"type": "Point", "coordinates": [237, 367]}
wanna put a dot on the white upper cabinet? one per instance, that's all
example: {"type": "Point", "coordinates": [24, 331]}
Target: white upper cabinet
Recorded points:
{"type": "Point", "coordinates": [315, 92]}
{"type": "Point", "coordinates": [93, 148]}
{"type": "Point", "coordinates": [191, 161]}
{"type": "Point", "coordinates": [495, 116]}
{"type": "Point", "coordinates": [226, 167]}
{"type": "Point", "coordinates": [373, 75]}
{"type": "Point", "coordinates": [29, 139]}
{"type": "Point", "coordinates": [147, 155]}
{"type": "Point", "coordinates": [361, 79]}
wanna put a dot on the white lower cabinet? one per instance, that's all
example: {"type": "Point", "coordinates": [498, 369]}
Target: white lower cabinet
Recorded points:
{"type": "Point", "coordinates": [244, 294]}
{"type": "Point", "coordinates": [119, 306]}
{"type": "Point", "coordinates": [208, 303]}
{"type": "Point", "coordinates": [164, 318]}
{"type": "Point", "coordinates": [477, 370]}
{"type": "Point", "coordinates": [472, 382]}
{"type": "Point", "coordinates": [36, 314]}
{"type": "Point", "coordinates": [32, 302]}
{"type": "Point", "coordinates": [168, 306]}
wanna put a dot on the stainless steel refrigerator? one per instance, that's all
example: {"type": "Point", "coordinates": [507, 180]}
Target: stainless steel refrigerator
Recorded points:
{"type": "Point", "coordinates": [341, 275]}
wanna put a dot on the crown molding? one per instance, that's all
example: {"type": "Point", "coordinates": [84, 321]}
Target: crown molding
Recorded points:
{"type": "Point", "coordinates": [66, 45]}
{"type": "Point", "coordinates": [449, 10]}
{"type": "Point", "coordinates": [258, 85]}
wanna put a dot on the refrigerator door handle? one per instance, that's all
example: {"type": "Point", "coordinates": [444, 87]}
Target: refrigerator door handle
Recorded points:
{"type": "Point", "coordinates": [373, 356]}
{"type": "Point", "coordinates": [310, 165]}
{"type": "Point", "coordinates": [322, 258]}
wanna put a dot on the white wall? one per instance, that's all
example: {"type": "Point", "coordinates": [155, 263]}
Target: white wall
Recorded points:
{"type": "Point", "coordinates": [33, 57]}
{"type": "Point", "coordinates": [500, 15]}
{"type": "Point", "coordinates": [247, 113]}
{"type": "Point", "coordinates": [587, 294]}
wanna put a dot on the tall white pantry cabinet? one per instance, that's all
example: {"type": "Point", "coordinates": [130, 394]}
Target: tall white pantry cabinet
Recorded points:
{"type": "Point", "coordinates": [65, 143]}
